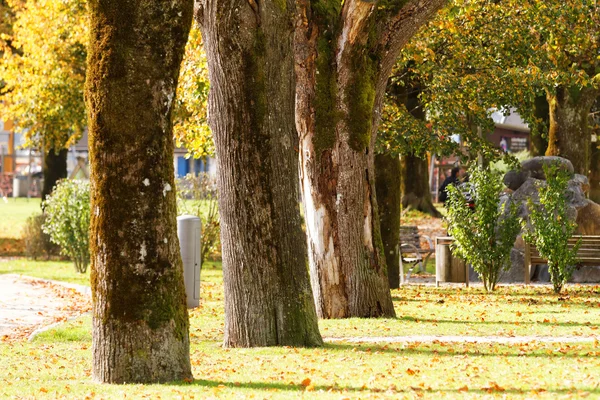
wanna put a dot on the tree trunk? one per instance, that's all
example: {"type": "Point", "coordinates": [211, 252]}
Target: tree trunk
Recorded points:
{"type": "Point", "coordinates": [140, 321]}
{"type": "Point", "coordinates": [344, 55]}
{"type": "Point", "coordinates": [416, 194]}
{"type": "Point", "coordinates": [569, 135]}
{"type": "Point", "coordinates": [539, 138]}
{"type": "Point", "coordinates": [54, 169]}
{"type": "Point", "coordinates": [595, 171]}
{"type": "Point", "coordinates": [268, 299]}
{"type": "Point", "coordinates": [387, 169]}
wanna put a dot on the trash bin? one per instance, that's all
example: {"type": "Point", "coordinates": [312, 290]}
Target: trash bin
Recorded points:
{"type": "Point", "coordinates": [449, 268]}
{"type": "Point", "coordinates": [189, 231]}
{"type": "Point", "coordinates": [20, 186]}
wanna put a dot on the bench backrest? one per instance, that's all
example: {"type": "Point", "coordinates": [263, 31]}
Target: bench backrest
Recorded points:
{"type": "Point", "coordinates": [410, 235]}
{"type": "Point", "coordinates": [588, 252]}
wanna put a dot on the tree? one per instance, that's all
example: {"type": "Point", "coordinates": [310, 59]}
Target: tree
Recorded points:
{"type": "Point", "coordinates": [249, 47]}
{"type": "Point", "coordinates": [416, 193]}
{"type": "Point", "coordinates": [567, 37]}
{"type": "Point", "coordinates": [484, 235]}
{"type": "Point", "coordinates": [140, 321]}
{"type": "Point", "coordinates": [190, 120]}
{"type": "Point", "coordinates": [43, 69]}
{"type": "Point", "coordinates": [477, 57]}
{"type": "Point", "coordinates": [345, 52]}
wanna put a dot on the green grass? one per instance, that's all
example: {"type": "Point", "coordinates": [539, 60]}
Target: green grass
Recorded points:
{"type": "Point", "coordinates": [54, 270]}
{"type": "Point", "coordinates": [14, 213]}
{"type": "Point", "coordinates": [58, 362]}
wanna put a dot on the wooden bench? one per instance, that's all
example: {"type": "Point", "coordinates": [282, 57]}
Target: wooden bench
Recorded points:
{"type": "Point", "coordinates": [587, 254]}
{"type": "Point", "coordinates": [411, 251]}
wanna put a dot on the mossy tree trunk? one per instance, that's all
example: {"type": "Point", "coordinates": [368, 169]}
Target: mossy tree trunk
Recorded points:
{"type": "Point", "coordinates": [387, 169]}
{"type": "Point", "coordinates": [569, 135]}
{"type": "Point", "coordinates": [416, 194]}
{"type": "Point", "coordinates": [344, 55]}
{"type": "Point", "coordinates": [595, 171]}
{"type": "Point", "coordinates": [140, 321]}
{"type": "Point", "coordinates": [268, 298]}
{"type": "Point", "coordinates": [54, 169]}
{"type": "Point", "coordinates": [539, 137]}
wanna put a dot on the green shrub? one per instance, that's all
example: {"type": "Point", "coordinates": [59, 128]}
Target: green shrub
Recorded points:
{"type": "Point", "coordinates": [68, 220]}
{"type": "Point", "coordinates": [37, 242]}
{"type": "Point", "coordinates": [550, 228]}
{"type": "Point", "coordinates": [484, 236]}
{"type": "Point", "coordinates": [197, 195]}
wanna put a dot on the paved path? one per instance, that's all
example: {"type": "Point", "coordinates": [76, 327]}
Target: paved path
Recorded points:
{"type": "Point", "coordinates": [27, 304]}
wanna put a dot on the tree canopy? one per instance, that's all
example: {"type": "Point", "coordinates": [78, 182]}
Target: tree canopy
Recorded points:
{"type": "Point", "coordinates": [43, 69]}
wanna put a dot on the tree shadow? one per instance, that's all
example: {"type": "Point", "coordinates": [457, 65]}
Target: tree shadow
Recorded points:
{"type": "Point", "coordinates": [454, 349]}
{"type": "Point", "coordinates": [271, 386]}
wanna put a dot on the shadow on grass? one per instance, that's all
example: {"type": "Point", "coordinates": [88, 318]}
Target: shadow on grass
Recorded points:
{"type": "Point", "coordinates": [273, 386]}
{"type": "Point", "coordinates": [480, 322]}
{"type": "Point", "coordinates": [460, 349]}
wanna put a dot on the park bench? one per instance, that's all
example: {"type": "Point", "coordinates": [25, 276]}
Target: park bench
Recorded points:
{"type": "Point", "coordinates": [587, 254]}
{"type": "Point", "coordinates": [411, 252]}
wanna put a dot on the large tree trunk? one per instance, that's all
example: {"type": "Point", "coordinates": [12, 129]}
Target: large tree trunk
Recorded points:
{"type": "Point", "coordinates": [140, 321]}
{"type": "Point", "coordinates": [387, 168]}
{"type": "Point", "coordinates": [268, 299]}
{"type": "Point", "coordinates": [539, 138]}
{"type": "Point", "coordinates": [569, 135]}
{"type": "Point", "coordinates": [595, 171]}
{"type": "Point", "coordinates": [345, 54]}
{"type": "Point", "coordinates": [416, 194]}
{"type": "Point", "coordinates": [54, 169]}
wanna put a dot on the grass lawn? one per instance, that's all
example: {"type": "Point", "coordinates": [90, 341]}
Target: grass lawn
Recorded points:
{"type": "Point", "coordinates": [14, 213]}
{"type": "Point", "coordinates": [58, 362]}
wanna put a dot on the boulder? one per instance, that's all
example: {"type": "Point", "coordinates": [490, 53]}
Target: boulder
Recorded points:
{"type": "Point", "coordinates": [514, 179]}
{"type": "Point", "coordinates": [586, 274]}
{"type": "Point", "coordinates": [588, 219]}
{"type": "Point", "coordinates": [583, 181]}
{"type": "Point", "coordinates": [535, 165]}
{"type": "Point", "coordinates": [516, 273]}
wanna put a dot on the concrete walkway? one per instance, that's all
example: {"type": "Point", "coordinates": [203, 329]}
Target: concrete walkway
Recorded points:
{"type": "Point", "coordinates": [27, 304]}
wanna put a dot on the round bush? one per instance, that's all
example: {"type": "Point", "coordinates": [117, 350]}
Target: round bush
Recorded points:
{"type": "Point", "coordinates": [68, 220]}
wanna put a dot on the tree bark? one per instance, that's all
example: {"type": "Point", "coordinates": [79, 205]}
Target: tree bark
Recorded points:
{"type": "Point", "coordinates": [387, 168]}
{"type": "Point", "coordinates": [344, 55]}
{"type": "Point", "coordinates": [569, 135]}
{"type": "Point", "coordinates": [416, 194]}
{"type": "Point", "coordinates": [594, 177]}
{"type": "Point", "coordinates": [140, 321]}
{"type": "Point", "coordinates": [539, 138]}
{"type": "Point", "coordinates": [54, 169]}
{"type": "Point", "coordinates": [268, 298]}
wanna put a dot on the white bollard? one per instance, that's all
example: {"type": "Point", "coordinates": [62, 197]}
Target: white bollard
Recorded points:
{"type": "Point", "coordinates": [189, 231]}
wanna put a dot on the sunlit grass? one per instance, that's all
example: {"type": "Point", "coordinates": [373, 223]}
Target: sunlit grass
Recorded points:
{"type": "Point", "coordinates": [14, 214]}
{"type": "Point", "coordinates": [58, 362]}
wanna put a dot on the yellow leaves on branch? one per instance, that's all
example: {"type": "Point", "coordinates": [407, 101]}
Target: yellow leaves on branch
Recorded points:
{"type": "Point", "coordinates": [190, 126]}
{"type": "Point", "coordinates": [45, 74]}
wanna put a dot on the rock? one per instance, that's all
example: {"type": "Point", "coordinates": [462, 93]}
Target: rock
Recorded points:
{"type": "Point", "coordinates": [541, 273]}
{"type": "Point", "coordinates": [575, 195]}
{"type": "Point", "coordinates": [588, 219]}
{"type": "Point", "coordinates": [535, 165]}
{"type": "Point", "coordinates": [528, 190]}
{"type": "Point", "coordinates": [583, 181]}
{"type": "Point", "coordinates": [586, 274]}
{"type": "Point", "coordinates": [514, 179]}
{"type": "Point", "coordinates": [516, 273]}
